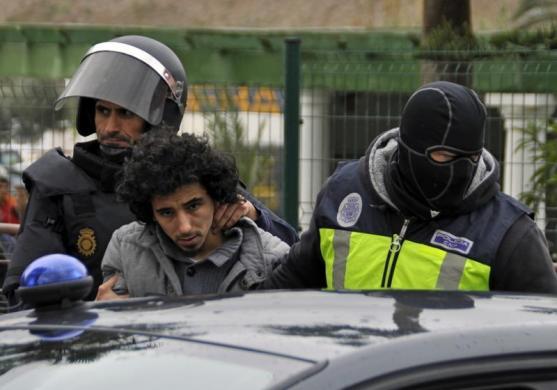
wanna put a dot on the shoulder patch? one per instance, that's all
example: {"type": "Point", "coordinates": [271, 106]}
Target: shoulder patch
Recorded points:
{"type": "Point", "coordinates": [349, 210]}
{"type": "Point", "coordinates": [451, 242]}
{"type": "Point", "coordinates": [86, 242]}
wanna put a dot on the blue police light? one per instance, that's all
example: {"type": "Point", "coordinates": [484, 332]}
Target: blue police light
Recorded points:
{"type": "Point", "coordinates": [75, 321]}
{"type": "Point", "coordinates": [54, 279]}
{"type": "Point", "coordinates": [50, 269]}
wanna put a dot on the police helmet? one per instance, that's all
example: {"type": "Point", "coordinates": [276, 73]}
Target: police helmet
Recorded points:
{"type": "Point", "coordinates": [138, 73]}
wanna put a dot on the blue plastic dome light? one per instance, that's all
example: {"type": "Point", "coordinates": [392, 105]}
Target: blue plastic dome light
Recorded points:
{"type": "Point", "coordinates": [53, 279]}
{"type": "Point", "coordinates": [54, 268]}
{"type": "Point", "coordinates": [75, 321]}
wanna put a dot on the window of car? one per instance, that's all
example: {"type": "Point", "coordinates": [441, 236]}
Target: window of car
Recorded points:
{"type": "Point", "coordinates": [513, 372]}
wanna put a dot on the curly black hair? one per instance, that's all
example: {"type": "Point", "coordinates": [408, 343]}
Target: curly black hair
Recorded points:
{"type": "Point", "coordinates": [162, 162]}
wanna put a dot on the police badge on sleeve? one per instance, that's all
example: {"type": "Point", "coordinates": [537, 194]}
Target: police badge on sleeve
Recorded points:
{"type": "Point", "coordinates": [349, 210]}
{"type": "Point", "coordinates": [86, 242]}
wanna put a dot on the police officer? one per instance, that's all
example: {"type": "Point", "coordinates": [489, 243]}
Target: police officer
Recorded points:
{"type": "Point", "coordinates": [422, 210]}
{"type": "Point", "coordinates": [125, 87]}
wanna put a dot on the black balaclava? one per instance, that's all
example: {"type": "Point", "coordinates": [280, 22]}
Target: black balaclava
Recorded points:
{"type": "Point", "coordinates": [440, 115]}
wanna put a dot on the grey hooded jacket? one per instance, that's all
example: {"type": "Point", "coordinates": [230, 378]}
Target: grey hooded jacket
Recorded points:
{"type": "Point", "coordinates": [135, 253]}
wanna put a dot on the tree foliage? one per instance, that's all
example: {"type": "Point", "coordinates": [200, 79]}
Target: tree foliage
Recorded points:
{"type": "Point", "coordinates": [544, 178]}
{"type": "Point", "coordinates": [532, 13]}
{"type": "Point", "coordinates": [543, 191]}
{"type": "Point", "coordinates": [228, 133]}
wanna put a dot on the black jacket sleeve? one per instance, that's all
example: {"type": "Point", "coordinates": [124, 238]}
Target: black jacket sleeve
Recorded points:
{"type": "Point", "coordinates": [303, 266]}
{"type": "Point", "coordinates": [269, 221]}
{"type": "Point", "coordinates": [39, 235]}
{"type": "Point", "coordinates": [523, 262]}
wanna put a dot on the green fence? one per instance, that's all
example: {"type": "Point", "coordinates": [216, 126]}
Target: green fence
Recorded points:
{"type": "Point", "coordinates": [351, 87]}
{"type": "Point", "coordinates": [243, 120]}
{"type": "Point", "coordinates": [348, 98]}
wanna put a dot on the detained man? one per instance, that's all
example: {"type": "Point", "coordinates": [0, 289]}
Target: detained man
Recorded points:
{"type": "Point", "coordinates": [174, 186]}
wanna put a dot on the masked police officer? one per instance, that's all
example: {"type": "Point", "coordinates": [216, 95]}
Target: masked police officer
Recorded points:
{"type": "Point", "coordinates": [422, 210]}
{"type": "Point", "coordinates": [125, 87]}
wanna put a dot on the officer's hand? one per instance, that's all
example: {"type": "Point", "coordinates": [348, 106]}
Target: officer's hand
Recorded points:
{"type": "Point", "coordinates": [228, 214]}
{"type": "Point", "coordinates": [105, 292]}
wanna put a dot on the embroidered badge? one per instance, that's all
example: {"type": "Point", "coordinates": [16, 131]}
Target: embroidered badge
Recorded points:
{"type": "Point", "coordinates": [451, 242]}
{"type": "Point", "coordinates": [86, 242]}
{"type": "Point", "coordinates": [349, 210]}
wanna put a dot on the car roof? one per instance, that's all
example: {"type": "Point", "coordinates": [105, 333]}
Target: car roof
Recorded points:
{"type": "Point", "coordinates": [336, 322]}
{"type": "Point", "coordinates": [312, 329]}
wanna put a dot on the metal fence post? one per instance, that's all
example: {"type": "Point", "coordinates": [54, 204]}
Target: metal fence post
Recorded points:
{"type": "Point", "coordinates": [291, 130]}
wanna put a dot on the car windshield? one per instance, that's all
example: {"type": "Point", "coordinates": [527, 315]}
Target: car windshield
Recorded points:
{"type": "Point", "coordinates": [105, 360]}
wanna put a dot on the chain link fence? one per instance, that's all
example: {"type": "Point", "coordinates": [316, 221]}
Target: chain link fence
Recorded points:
{"type": "Point", "coordinates": [346, 100]}
{"type": "Point", "coordinates": [245, 121]}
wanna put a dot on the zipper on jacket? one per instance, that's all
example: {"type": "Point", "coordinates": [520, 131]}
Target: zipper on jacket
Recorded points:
{"type": "Point", "coordinates": [396, 244]}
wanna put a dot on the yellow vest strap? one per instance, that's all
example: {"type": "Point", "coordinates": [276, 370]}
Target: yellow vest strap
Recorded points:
{"type": "Point", "coordinates": [450, 272]}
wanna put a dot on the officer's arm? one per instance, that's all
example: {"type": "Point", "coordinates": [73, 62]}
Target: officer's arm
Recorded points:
{"type": "Point", "coordinates": [523, 262]}
{"type": "Point", "coordinates": [40, 234]}
{"type": "Point", "coordinates": [302, 267]}
{"type": "Point", "coordinates": [269, 221]}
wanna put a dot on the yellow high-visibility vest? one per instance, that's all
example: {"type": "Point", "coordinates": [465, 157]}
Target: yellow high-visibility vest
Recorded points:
{"type": "Point", "coordinates": [362, 261]}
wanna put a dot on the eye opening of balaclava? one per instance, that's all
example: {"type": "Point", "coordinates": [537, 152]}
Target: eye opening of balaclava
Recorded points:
{"type": "Point", "coordinates": [440, 116]}
{"type": "Point", "coordinates": [455, 155]}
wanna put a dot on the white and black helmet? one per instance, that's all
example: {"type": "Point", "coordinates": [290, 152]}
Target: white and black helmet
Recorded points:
{"type": "Point", "coordinates": [138, 73]}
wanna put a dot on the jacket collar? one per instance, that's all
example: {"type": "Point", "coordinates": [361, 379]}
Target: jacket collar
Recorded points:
{"type": "Point", "coordinates": [87, 156]}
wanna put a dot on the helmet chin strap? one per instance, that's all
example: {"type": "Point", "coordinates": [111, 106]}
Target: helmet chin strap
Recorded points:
{"type": "Point", "coordinates": [115, 154]}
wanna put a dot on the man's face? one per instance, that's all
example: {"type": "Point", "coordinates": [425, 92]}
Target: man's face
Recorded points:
{"type": "Point", "coordinates": [117, 126]}
{"type": "Point", "coordinates": [186, 217]}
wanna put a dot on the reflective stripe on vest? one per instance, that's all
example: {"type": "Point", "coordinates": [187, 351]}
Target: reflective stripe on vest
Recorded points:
{"type": "Point", "coordinates": [355, 260]}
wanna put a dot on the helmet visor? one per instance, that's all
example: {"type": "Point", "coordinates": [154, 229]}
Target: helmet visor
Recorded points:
{"type": "Point", "coordinates": [122, 80]}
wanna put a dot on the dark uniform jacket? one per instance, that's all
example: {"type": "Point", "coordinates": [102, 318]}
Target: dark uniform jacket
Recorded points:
{"type": "Point", "coordinates": [358, 239]}
{"type": "Point", "coordinates": [73, 209]}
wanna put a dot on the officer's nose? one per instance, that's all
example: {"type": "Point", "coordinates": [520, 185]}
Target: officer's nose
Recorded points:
{"type": "Point", "coordinates": [112, 123]}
